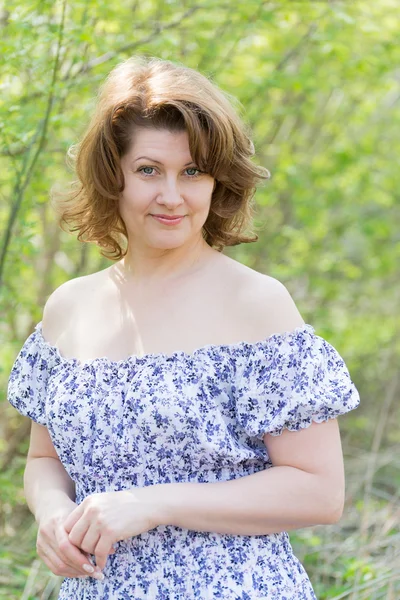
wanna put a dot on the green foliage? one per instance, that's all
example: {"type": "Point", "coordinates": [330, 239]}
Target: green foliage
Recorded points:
{"type": "Point", "coordinates": [318, 84]}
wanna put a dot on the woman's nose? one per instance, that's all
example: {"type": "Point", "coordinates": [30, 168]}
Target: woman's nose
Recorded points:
{"type": "Point", "coordinates": [170, 195]}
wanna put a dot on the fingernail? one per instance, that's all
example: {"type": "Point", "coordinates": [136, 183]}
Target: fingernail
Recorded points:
{"type": "Point", "coordinates": [88, 568]}
{"type": "Point", "coordinates": [98, 576]}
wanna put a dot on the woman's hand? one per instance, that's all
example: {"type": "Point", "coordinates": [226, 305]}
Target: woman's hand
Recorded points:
{"type": "Point", "coordinates": [108, 517]}
{"type": "Point", "coordinates": [61, 556]}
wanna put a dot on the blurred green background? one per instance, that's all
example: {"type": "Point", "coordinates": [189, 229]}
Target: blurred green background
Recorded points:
{"type": "Point", "coordinates": [319, 84]}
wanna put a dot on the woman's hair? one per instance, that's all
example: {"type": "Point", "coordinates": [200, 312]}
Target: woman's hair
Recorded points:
{"type": "Point", "coordinates": [155, 93]}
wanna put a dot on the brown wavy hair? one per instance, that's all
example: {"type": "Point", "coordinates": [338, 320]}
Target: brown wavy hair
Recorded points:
{"type": "Point", "coordinates": [156, 93]}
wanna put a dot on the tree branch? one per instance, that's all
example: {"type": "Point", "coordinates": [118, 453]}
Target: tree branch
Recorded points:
{"type": "Point", "coordinates": [24, 178]}
{"type": "Point", "coordinates": [133, 45]}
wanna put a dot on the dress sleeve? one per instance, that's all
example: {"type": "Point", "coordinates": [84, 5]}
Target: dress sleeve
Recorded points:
{"type": "Point", "coordinates": [291, 380]}
{"type": "Point", "coordinates": [27, 382]}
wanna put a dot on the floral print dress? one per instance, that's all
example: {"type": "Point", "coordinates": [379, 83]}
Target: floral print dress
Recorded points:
{"type": "Point", "coordinates": [197, 417]}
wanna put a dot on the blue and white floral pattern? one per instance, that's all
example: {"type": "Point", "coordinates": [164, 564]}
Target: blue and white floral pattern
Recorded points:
{"type": "Point", "coordinates": [183, 417]}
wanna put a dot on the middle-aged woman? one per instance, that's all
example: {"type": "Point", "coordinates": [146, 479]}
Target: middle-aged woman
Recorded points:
{"type": "Point", "coordinates": [184, 414]}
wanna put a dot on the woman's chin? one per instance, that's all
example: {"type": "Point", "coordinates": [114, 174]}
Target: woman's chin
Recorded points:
{"type": "Point", "coordinates": [167, 244]}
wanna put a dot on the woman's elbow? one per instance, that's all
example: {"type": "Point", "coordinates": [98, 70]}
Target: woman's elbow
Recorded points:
{"type": "Point", "coordinates": [334, 506]}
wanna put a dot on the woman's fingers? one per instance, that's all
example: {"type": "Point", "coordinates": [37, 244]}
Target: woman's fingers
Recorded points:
{"type": "Point", "coordinates": [90, 541]}
{"type": "Point", "coordinates": [67, 560]}
{"type": "Point", "coordinates": [73, 556]}
{"type": "Point", "coordinates": [78, 532]}
{"type": "Point", "coordinates": [73, 517]}
{"type": "Point", "coordinates": [58, 566]}
{"type": "Point", "coordinates": [101, 551]}
{"type": "Point", "coordinates": [63, 557]}
{"type": "Point", "coordinates": [70, 554]}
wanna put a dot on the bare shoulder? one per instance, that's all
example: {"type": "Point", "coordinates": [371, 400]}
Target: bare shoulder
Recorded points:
{"type": "Point", "coordinates": [63, 303]}
{"type": "Point", "coordinates": [264, 300]}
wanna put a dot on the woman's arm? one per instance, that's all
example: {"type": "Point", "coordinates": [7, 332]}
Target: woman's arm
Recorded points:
{"type": "Point", "coordinates": [46, 482]}
{"type": "Point", "coordinates": [305, 487]}
{"type": "Point", "coordinates": [50, 494]}
{"type": "Point", "coordinates": [47, 485]}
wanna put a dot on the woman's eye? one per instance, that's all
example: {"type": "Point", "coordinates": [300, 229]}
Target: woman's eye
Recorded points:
{"type": "Point", "coordinates": [193, 174]}
{"type": "Point", "coordinates": [145, 170]}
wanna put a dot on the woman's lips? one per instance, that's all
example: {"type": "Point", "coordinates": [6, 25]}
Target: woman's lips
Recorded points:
{"type": "Point", "coordinates": [168, 220]}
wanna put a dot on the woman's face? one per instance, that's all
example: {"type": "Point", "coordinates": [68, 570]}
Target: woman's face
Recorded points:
{"type": "Point", "coordinates": [161, 181]}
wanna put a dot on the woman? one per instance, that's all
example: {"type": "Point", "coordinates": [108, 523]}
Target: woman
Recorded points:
{"type": "Point", "coordinates": [184, 414]}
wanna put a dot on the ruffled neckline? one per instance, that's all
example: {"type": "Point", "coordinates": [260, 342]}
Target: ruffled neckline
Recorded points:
{"type": "Point", "coordinates": [208, 349]}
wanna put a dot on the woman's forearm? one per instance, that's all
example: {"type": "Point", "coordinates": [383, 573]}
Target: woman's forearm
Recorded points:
{"type": "Point", "coordinates": [270, 501]}
{"type": "Point", "coordinates": [46, 485]}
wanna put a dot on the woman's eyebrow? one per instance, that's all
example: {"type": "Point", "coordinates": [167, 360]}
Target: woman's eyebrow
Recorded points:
{"type": "Point", "coordinates": [157, 161]}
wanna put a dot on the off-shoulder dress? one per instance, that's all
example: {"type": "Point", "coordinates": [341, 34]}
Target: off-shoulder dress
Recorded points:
{"type": "Point", "coordinates": [182, 417]}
